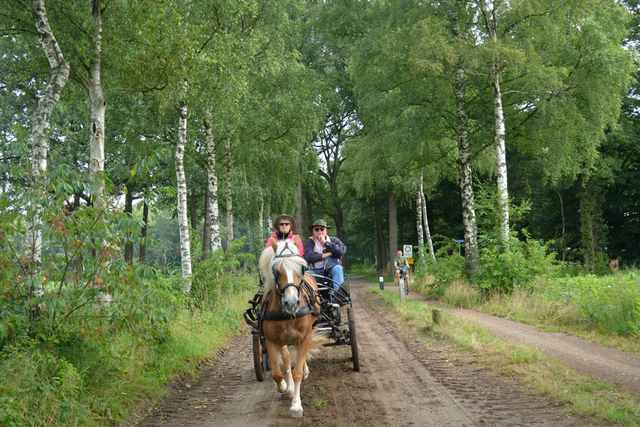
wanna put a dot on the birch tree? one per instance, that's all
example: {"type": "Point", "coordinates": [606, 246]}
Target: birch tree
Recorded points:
{"type": "Point", "coordinates": [229, 192]}
{"type": "Point", "coordinates": [183, 218]}
{"type": "Point", "coordinates": [490, 14]}
{"type": "Point", "coordinates": [40, 122]}
{"type": "Point", "coordinates": [212, 175]}
{"type": "Point", "coordinates": [423, 206]}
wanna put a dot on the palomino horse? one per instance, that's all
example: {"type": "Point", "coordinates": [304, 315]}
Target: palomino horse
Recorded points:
{"type": "Point", "coordinates": [291, 309]}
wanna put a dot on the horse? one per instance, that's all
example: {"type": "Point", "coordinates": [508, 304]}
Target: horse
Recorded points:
{"type": "Point", "coordinates": [290, 308]}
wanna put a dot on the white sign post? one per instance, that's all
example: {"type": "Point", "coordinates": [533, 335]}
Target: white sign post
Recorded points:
{"type": "Point", "coordinates": [408, 251]}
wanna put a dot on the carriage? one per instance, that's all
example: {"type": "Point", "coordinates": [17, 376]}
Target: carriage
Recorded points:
{"type": "Point", "coordinates": [333, 306]}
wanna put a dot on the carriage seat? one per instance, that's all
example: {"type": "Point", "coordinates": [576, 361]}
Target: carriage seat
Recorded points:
{"type": "Point", "coordinates": [325, 289]}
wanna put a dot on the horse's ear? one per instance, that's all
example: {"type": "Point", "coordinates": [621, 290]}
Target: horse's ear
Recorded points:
{"type": "Point", "coordinates": [297, 241]}
{"type": "Point", "coordinates": [274, 244]}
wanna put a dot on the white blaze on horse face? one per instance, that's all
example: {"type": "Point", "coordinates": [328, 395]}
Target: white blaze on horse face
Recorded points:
{"type": "Point", "coordinates": [291, 295]}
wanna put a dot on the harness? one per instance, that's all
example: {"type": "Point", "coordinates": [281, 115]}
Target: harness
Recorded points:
{"type": "Point", "coordinates": [310, 294]}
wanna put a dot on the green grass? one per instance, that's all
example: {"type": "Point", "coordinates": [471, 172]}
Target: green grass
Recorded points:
{"type": "Point", "coordinates": [553, 307]}
{"type": "Point", "coordinates": [577, 393]}
{"type": "Point", "coordinates": [373, 277]}
{"type": "Point", "coordinates": [100, 382]}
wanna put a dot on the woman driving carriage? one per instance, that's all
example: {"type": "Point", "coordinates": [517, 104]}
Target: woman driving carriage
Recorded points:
{"type": "Point", "coordinates": [324, 254]}
{"type": "Point", "coordinates": [284, 226]}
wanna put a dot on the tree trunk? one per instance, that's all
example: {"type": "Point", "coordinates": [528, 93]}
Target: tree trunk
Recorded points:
{"type": "Point", "coordinates": [472, 256]}
{"type": "Point", "coordinates": [381, 247]}
{"type": "Point", "coordinates": [590, 222]}
{"type": "Point", "coordinates": [301, 214]}
{"type": "Point", "coordinates": [419, 225]}
{"type": "Point", "coordinates": [426, 225]}
{"type": "Point", "coordinates": [227, 147]}
{"type": "Point", "coordinates": [501, 155]}
{"type": "Point", "coordinates": [183, 220]}
{"type": "Point", "coordinates": [206, 229]}
{"type": "Point", "coordinates": [128, 209]}
{"type": "Point", "coordinates": [39, 146]}
{"type": "Point", "coordinates": [261, 230]}
{"type": "Point", "coordinates": [564, 250]}
{"type": "Point", "coordinates": [214, 213]}
{"type": "Point", "coordinates": [142, 256]}
{"type": "Point", "coordinates": [393, 225]}
{"type": "Point", "coordinates": [193, 211]}
{"type": "Point", "coordinates": [491, 23]}
{"type": "Point", "coordinates": [98, 109]}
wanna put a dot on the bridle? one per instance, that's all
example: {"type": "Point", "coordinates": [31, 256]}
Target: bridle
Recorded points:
{"type": "Point", "coordinates": [276, 273]}
{"type": "Point", "coordinates": [312, 295]}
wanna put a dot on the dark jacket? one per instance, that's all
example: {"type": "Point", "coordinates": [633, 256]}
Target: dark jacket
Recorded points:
{"type": "Point", "coordinates": [333, 245]}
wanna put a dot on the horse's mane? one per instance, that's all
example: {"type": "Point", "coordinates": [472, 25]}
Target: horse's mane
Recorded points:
{"type": "Point", "coordinates": [268, 261]}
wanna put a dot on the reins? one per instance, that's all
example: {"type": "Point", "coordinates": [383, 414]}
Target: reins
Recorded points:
{"type": "Point", "coordinates": [310, 293]}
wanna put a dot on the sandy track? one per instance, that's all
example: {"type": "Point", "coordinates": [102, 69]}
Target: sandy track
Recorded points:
{"type": "Point", "coordinates": [402, 382]}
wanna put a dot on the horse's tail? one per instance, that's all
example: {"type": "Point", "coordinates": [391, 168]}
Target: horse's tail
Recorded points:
{"type": "Point", "coordinates": [318, 340]}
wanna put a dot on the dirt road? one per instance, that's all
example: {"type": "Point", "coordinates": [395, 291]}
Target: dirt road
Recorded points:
{"type": "Point", "coordinates": [402, 382]}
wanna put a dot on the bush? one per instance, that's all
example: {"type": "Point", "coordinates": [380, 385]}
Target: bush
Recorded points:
{"type": "Point", "coordinates": [516, 267]}
{"type": "Point", "coordinates": [610, 303]}
{"type": "Point", "coordinates": [449, 268]}
{"type": "Point", "coordinates": [216, 277]}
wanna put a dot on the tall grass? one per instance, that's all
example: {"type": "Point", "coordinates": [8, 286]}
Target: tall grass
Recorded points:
{"type": "Point", "coordinates": [98, 380]}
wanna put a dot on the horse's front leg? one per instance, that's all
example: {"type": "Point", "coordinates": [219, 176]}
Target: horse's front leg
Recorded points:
{"type": "Point", "coordinates": [298, 371]}
{"type": "Point", "coordinates": [276, 373]}
{"type": "Point", "coordinates": [286, 361]}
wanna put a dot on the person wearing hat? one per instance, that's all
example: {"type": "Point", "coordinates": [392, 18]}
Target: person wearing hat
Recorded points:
{"type": "Point", "coordinates": [324, 253]}
{"type": "Point", "coordinates": [284, 226]}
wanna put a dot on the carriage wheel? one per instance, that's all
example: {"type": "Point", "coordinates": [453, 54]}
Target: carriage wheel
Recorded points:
{"type": "Point", "coordinates": [260, 357]}
{"type": "Point", "coordinates": [354, 341]}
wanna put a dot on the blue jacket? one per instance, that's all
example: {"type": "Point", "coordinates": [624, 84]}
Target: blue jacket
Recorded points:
{"type": "Point", "coordinates": [333, 245]}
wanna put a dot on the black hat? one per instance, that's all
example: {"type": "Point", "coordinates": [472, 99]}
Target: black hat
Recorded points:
{"type": "Point", "coordinates": [319, 223]}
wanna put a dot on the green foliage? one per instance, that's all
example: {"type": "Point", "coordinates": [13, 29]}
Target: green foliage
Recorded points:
{"type": "Point", "coordinates": [449, 268]}
{"type": "Point", "coordinates": [517, 266]}
{"type": "Point", "coordinates": [609, 303]}
{"type": "Point", "coordinates": [80, 259]}
{"type": "Point", "coordinates": [40, 389]}
{"type": "Point", "coordinates": [216, 277]}
{"type": "Point", "coordinates": [363, 268]}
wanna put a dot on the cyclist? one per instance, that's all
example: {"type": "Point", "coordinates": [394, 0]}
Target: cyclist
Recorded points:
{"type": "Point", "coordinates": [402, 267]}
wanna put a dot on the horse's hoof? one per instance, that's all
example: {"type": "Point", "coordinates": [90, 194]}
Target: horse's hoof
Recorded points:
{"type": "Point", "coordinates": [295, 413]}
{"type": "Point", "coordinates": [282, 387]}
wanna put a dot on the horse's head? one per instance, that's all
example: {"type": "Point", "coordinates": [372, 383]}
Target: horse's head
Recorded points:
{"type": "Point", "coordinates": [283, 269]}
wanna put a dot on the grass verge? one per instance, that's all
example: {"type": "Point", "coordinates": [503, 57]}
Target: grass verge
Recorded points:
{"type": "Point", "coordinates": [577, 393]}
{"type": "Point", "coordinates": [103, 383]}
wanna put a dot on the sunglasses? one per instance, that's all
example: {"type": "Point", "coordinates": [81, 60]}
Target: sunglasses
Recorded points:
{"type": "Point", "coordinates": [285, 223]}
{"type": "Point", "coordinates": [318, 229]}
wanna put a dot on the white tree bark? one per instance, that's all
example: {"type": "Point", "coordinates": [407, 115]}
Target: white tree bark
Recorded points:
{"type": "Point", "coordinates": [419, 225]}
{"type": "Point", "coordinates": [227, 146]}
{"type": "Point", "coordinates": [39, 146]}
{"type": "Point", "coordinates": [472, 256]}
{"type": "Point", "coordinates": [426, 227]}
{"type": "Point", "coordinates": [426, 223]}
{"type": "Point", "coordinates": [214, 213]}
{"type": "Point", "coordinates": [491, 23]}
{"type": "Point", "coordinates": [183, 217]}
{"type": "Point", "coordinates": [261, 232]}
{"type": "Point", "coordinates": [98, 108]}
{"type": "Point", "coordinates": [46, 103]}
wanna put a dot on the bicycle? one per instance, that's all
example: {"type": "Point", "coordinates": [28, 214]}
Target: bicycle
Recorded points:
{"type": "Point", "coordinates": [404, 279]}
